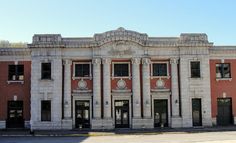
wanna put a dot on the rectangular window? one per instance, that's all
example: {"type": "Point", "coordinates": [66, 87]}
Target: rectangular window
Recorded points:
{"type": "Point", "coordinates": [15, 72]}
{"type": "Point", "coordinates": [159, 69]}
{"type": "Point", "coordinates": [121, 70]}
{"type": "Point", "coordinates": [46, 71]}
{"type": "Point", "coordinates": [45, 110]}
{"type": "Point", "coordinates": [223, 70]}
{"type": "Point", "coordinates": [82, 70]}
{"type": "Point", "coordinates": [195, 69]}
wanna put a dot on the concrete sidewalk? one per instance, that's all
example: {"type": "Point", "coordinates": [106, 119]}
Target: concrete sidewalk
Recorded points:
{"type": "Point", "coordinates": [85, 133]}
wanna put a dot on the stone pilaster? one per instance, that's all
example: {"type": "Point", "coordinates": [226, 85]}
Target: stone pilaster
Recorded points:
{"type": "Point", "coordinates": [67, 121]}
{"type": "Point", "coordinates": [146, 88]}
{"type": "Point", "coordinates": [136, 87]}
{"type": "Point", "coordinates": [175, 119]}
{"type": "Point", "coordinates": [107, 87]}
{"type": "Point", "coordinates": [97, 88]}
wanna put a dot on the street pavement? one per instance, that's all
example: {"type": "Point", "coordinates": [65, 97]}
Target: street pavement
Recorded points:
{"type": "Point", "coordinates": [165, 137]}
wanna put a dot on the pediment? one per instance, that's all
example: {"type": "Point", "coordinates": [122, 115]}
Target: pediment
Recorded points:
{"type": "Point", "coordinates": [121, 34]}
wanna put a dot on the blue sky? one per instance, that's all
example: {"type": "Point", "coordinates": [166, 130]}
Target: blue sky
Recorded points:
{"type": "Point", "coordinates": [20, 19]}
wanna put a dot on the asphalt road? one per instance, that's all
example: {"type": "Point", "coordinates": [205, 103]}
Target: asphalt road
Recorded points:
{"type": "Point", "coordinates": [207, 137]}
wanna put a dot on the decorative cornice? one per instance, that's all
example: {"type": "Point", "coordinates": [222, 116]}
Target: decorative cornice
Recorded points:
{"type": "Point", "coordinates": [15, 52]}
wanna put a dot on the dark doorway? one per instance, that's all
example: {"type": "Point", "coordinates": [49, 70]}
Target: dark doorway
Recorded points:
{"type": "Point", "coordinates": [197, 112]}
{"type": "Point", "coordinates": [161, 113]}
{"type": "Point", "coordinates": [122, 114]}
{"type": "Point", "coordinates": [82, 114]}
{"type": "Point", "coordinates": [224, 114]}
{"type": "Point", "coordinates": [15, 114]}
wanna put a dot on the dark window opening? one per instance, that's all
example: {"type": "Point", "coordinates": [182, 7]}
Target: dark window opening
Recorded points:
{"type": "Point", "coordinates": [159, 69]}
{"type": "Point", "coordinates": [121, 70]}
{"type": "Point", "coordinates": [223, 70]}
{"type": "Point", "coordinates": [45, 110]}
{"type": "Point", "coordinates": [46, 71]}
{"type": "Point", "coordinates": [82, 70]}
{"type": "Point", "coordinates": [16, 72]}
{"type": "Point", "coordinates": [195, 69]}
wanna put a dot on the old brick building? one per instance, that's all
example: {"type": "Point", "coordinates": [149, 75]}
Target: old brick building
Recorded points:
{"type": "Point", "coordinates": [117, 79]}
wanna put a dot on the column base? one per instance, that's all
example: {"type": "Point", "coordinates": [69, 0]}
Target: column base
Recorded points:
{"type": "Point", "coordinates": [176, 122]}
{"type": "Point", "coordinates": [67, 124]}
{"type": "Point", "coordinates": [137, 123]}
{"type": "Point", "coordinates": [142, 123]}
{"type": "Point", "coordinates": [102, 124]}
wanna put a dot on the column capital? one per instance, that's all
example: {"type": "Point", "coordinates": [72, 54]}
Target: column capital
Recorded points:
{"type": "Point", "coordinates": [106, 61]}
{"type": "Point", "coordinates": [174, 60]}
{"type": "Point", "coordinates": [96, 61]}
{"type": "Point", "coordinates": [146, 61]}
{"type": "Point", "coordinates": [135, 61]}
{"type": "Point", "coordinates": [67, 62]}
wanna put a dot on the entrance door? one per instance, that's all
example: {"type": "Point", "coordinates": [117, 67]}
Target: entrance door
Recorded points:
{"type": "Point", "coordinates": [224, 115]}
{"type": "Point", "coordinates": [122, 114]}
{"type": "Point", "coordinates": [15, 114]}
{"type": "Point", "coordinates": [161, 113]}
{"type": "Point", "coordinates": [197, 112]}
{"type": "Point", "coordinates": [82, 114]}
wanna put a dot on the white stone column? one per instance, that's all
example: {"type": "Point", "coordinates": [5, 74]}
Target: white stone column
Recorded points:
{"type": "Point", "coordinates": [146, 88]}
{"type": "Point", "coordinates": [174, 87]}
{"type": "Point", "coordinates": [136, 87]}
{"type": "Point", "coordinates": [107, 87]}
{"type": "Point", "coordinates": [67, 121]}
{"type": "Point", "coordinates": [97, 88]}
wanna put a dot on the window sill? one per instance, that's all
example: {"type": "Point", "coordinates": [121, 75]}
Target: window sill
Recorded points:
{"type": "Point", "coordinates": [15, 81]}
{"type": "Point", "coordinates": [168, 77]}
{"type": "Point", "coordinates": [46, 80]}
{"type": "Point", "coordinates": [74, 78]}
{"type": "Point", "coordinates": [223, 79]}
{"type": "Point", "coordinates": [121, 77]}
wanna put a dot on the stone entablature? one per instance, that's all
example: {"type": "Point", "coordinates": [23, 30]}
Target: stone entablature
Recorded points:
{"type": "Point", "coordinates": [121, 34]}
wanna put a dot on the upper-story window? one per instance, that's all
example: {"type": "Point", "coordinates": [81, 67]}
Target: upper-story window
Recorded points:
{"type": "Point", "coordinates": [159, 69]}
{"type": "Point", "coordinates": [121, 70]}
{"type": "Point", "coordinates": [195, 69]}
{"type": "Point", "coordinates": [82, 69]}
{"type": "Point", "coordinates": [46, 71]}
{"type": "Point", "coordinates": [16, 72]}
{"type": "Point", "coordinates": [223, 70]}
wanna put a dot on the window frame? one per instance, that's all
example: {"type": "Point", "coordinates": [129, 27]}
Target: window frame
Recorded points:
{"type": "Point", "coordinates": [49, 119]}
{"type": "Point", "coordinates": [200, 74]}
{"type": "Point", "coordinates": [16, 73]}
{"type": "Point", "coordinates": [79, 77]}
{"type": "Point", "coordinates": [113, 70]}
{"type": "Point", "coordinates": [222, 72]}
{"type": "Point", "coordinates": [167, 69]}
{"type": "Point", "coordinates": [50, 78]}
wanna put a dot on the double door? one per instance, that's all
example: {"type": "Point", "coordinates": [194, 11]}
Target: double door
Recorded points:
{"type": "Point", "coordinates": [15, 114]}
{"type": "Point", "coordinates": [122, 114]}
{"type": "Point", "coordinates": [161, 113]}
{"type": "Point", "coordinates": [224, 111]}
{"type": "Point", "coordinates": [82, 114]}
